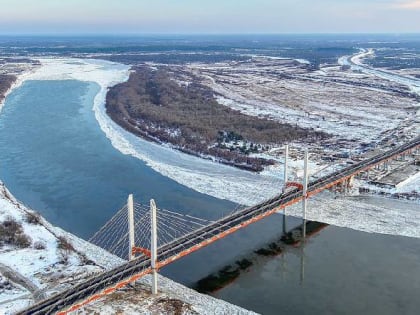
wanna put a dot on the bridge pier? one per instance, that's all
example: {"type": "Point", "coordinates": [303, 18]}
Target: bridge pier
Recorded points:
{"type": "Point", "coordinates": [349, 184]}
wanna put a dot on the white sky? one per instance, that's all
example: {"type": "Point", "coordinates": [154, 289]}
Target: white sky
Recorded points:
{"type": "Point", "coordinates": [209, 16]}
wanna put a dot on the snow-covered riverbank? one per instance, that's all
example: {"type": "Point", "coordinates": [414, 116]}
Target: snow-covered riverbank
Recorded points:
{"type": "Point", "coordinates": [19, 81]}
{"type": "Point", "coordinates": [35, 270]}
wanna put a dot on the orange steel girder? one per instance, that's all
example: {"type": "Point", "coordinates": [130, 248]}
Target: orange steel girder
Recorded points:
{"type": "Point", "coordinates": [294, 184]}
{"type": "Point", "coordinates": [141, 250]}
{"type": "Point", "coordinates": [218, 237]}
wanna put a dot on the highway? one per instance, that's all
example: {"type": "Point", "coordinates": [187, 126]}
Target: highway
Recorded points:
{"type": "Point", "coordinates": [109, 281]}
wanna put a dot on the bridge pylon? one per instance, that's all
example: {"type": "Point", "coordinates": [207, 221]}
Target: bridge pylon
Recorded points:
{"type": "Point", "coordinates": [130, 208]}
{"type": "Point", "coordinates": [152, 253]}
{"type": "Point", "coordinates": [153, 245]}
{"type": "Point", "coordinates": [285, 178]}
{"type": "Point", "coordinates": [304, 192]}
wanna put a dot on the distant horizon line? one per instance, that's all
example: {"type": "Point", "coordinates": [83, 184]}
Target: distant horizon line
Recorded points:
{"type": "Point", "coordinates": [147, 34]}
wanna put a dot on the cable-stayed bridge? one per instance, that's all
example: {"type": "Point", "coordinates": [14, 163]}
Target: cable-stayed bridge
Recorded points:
{"type": "Point", "coordinates": [179, 235]}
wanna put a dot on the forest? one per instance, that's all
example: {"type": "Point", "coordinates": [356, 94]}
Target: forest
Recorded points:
{"type": "Point", "coordinates": [153, 105]}
{"type": "Point", "coordinates": [6, 82]}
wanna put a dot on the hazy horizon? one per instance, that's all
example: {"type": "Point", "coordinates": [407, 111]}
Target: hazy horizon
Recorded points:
{"type": "Point", "coordinates": [172, 35]}
{"type": "Point", "coordinates": [167, 17]}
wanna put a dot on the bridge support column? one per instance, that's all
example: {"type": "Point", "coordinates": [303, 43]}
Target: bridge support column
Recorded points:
{"type": "Point", "coordinates": [130, 207]}
{"type": "Point", "coordinates": [305, 188]}
{"type": "Point", "coordinates": [153, 243]}
{"type": "Point", "coordinates": [348, 184]}
{"type": "Point", "coordinates": [285, 178]}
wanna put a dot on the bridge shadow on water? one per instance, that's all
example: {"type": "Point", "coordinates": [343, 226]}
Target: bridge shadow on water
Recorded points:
{"type": "Point", "coordinates": [188, 270]}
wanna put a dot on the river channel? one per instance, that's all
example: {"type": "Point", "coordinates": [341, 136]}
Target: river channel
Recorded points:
{"type": "Point", "coordinates": [56, 159]}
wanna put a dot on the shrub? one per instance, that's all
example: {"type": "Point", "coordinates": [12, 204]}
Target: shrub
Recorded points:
{"type": "Point", "coordinates": [64, 244]}
{"type": "Point", "coordinates": [11, 233]}
{"type": "Point", "coordinates": [33, 218]}
{"type": "Point", "coordinates": [84, 260]}
{"type": "Point", "coordinates": [66, 247]}
{"type": "Point", "coordinates": [23, 241]}
{"type": "Point", "coordinates": [39, 245]}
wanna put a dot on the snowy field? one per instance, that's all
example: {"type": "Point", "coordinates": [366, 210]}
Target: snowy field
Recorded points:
{"type": "Point", "coordinates": [352, 105]}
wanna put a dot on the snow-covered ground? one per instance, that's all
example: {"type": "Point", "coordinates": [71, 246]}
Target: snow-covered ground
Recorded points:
{"type": "Point", "coordinates": [360, 106]}
{"type": "Point", "coordinates": [172, 299]}
{"type": "Point", "coordinates": [346, 104]}
{"type": "Point", "coordinates": [35, 272]}
{"type": "Point", "coordinates": [410, 184]}
{"type": "Point", "coordinates": [41, 267]}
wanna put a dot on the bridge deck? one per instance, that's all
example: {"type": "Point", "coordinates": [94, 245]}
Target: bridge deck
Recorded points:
{"type": "Point", "coordinates": [107, 282]}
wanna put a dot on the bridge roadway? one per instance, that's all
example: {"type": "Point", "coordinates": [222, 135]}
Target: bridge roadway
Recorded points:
{"type": "Point", "coordinates": [109, 281]}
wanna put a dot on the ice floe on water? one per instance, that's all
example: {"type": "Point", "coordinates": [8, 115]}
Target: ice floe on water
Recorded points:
{"type": "Point", "coordinates": [364, 213]}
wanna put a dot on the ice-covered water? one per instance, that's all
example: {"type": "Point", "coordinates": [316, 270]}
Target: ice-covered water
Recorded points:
{"type": "Point", "coordinates": [356, 63]}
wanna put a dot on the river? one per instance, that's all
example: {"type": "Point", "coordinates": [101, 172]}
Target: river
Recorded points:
{"type": "Point", "coordinates": [339, 271]}
{"type": "Point", "coordinates": [55, 158]}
